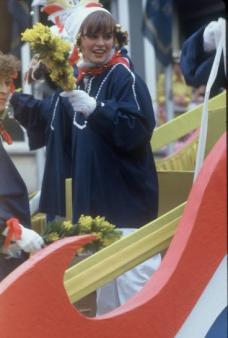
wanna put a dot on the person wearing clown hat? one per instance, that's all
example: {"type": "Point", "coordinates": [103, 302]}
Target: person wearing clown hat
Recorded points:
{"type": "Point", "coordinates": [113, 106]}
{"type": "Point", "coordinates": [109, 125]}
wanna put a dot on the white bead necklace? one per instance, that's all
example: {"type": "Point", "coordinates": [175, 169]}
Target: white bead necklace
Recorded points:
{"type": "Point", "coordinates": [76, 124]}
{"type": "Point", "coordinates": [54, 113]}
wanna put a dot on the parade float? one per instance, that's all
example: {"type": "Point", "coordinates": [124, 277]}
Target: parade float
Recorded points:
{"type": "Point", "coordinates": [185, 297]}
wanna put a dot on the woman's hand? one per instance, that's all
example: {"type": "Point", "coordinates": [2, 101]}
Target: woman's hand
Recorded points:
{"type": "Point", "coordinates": [36, 71]}
{"type": "Point", "coordinates": [81, 101]}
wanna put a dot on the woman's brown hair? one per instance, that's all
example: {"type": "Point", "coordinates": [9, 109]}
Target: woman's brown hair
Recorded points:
{"type": "Point", "coordinates": [9, 65]}
{"type": "Point", "coordinates": [99, 22]}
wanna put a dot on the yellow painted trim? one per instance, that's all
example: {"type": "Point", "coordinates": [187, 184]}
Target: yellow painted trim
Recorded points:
{"type": "Point", "coordinates": [216, 127]}
{"type": "Point", "coordinates": [38, 222]}
{"type": "Point", "coordinates": [102, 267]}
{"type": "Point", "coordinates": [185, 123]}
{"type": "Point", "coordinates": [68, 191]}
{"type": "Point", "coordinates": [169, 196]}
{"type": "Point", "coordinates": [184, 159]}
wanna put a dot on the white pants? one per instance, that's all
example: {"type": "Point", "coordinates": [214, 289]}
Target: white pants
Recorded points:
{"type": "Point", "coordinates": [117, 292]}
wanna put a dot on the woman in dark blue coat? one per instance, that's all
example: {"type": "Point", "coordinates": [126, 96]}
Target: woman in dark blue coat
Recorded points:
{"type": "Point", "coordinates": [114, 173]}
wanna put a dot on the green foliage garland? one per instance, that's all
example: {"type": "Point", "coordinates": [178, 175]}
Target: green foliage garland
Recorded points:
{"type": "Point", "coordinates": [105, 232]}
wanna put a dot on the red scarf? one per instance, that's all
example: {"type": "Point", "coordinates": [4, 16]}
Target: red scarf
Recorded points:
{"type": "Point", "coordinates": [5, 135]}
{"type": "Point", "coordinates": [14, 231]}
{"type": "Point", "coordinates": [97, 70]}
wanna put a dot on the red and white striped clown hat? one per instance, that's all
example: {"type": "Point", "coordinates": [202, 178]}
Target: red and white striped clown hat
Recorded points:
{"type": "Point", "coordinates": [69, 14]}
{"type": "Point", "coordinates": [57, 4]}
{"type": "Point", "coordinates": [79, 13]}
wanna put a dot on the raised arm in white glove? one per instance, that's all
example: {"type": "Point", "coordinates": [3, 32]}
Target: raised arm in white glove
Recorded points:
{"type": "Point", "coordinates": [81, 101]}
{"type": "Point", "coordinates": [212, 34]}
{"type": "Point", "coordinates": [26, 239]}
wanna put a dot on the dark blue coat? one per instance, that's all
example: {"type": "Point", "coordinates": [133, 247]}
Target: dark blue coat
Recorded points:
{"type": "Point", "coordinates": [196, 64]}
{"type": "Point", "coordinates": [13, 192]}
{"type": "Point", "coordinates": [47, 126]}
{"type": "Point", "coordinates": [14, 202]}
{"type": "Point", "coordinates": [114, 172]}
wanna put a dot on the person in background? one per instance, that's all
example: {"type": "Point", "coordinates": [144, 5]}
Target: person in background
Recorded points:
{"type": "Point", "coordinates": [113, 169]}
{"type": "Point", "coordinates": [181, 92]}
{"type": "Point", "coordinates": [197, 96]}
{"type": "Point", "coordinates": [16, 240]}
{"type": "Point", "coordinates": [197, 57]}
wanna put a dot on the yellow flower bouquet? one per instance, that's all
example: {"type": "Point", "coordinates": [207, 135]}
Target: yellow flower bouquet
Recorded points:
{"type": "Point", "coordinates": [105, 232]}
{"type": "Point", "coordinates": [54, 52]}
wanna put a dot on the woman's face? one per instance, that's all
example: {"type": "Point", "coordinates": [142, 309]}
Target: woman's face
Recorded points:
{"type": "Point", "coordinates": [96, 48]}
{"type": "Point", "coordinates": [4, 92]}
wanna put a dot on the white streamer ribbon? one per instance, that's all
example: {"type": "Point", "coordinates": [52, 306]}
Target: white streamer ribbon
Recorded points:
{"type": "Point", "coordinates": [221, 47]}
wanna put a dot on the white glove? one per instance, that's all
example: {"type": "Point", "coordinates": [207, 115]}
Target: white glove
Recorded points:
{"type": "Point", "coordinates": [81, 101]}
{"type": "Point", "coordinates": [30, 240]}
{"type": "Point", "coordinates": [212, 34]}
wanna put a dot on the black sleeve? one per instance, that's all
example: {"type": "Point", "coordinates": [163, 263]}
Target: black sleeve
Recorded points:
{"type": "Point", "coordinates": [13, 192]}
{"type": "Point", "coordinates": [196, 64]}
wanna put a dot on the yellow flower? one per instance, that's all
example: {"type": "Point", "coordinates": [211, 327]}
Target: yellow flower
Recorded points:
{"type": "Point", "coordinates": [53, 52]}
{"type": "Point", "coordinates": [53, 236]}
{"type": "Point", "coordinates": [85, 224]}
{"type": "Point", "coordinates": [105, 232]}
{"type": "Point", "coordinates": [97, 234]}
{"type": "Point", "coordinates": [67, 225]}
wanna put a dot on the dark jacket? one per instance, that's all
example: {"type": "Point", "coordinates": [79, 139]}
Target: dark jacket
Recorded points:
{"type": "Point", "coordinates": [14, 200]}
{"type": "Point", "coordinates": [196, 64]}
{"type": "Point", "coordinates": [114, 172]}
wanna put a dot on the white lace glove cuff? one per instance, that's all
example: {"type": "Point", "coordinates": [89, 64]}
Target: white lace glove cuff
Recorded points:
{"type": "Point", "coordinates": [81, 101]}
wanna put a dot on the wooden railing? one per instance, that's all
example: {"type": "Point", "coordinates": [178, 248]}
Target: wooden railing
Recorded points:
{"type": "Point", "coordinates": [184, 159]}
{"type": "Point", "coordinates": [180, 126]}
